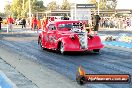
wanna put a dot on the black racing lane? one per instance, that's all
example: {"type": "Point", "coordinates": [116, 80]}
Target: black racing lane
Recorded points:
{"type": "Point", "coordinates": [109, 61]}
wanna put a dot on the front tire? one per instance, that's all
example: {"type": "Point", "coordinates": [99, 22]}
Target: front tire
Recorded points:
{"type": "Point", "coordinates": [62, 48]}
{"type": "Point", "coordinates": [40, 44]}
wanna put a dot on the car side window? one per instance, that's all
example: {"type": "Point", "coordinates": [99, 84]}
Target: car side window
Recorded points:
{"type": "Point", "coordinates": [61, 25]}
{"type": "Point", "coordinates": [52, 27]}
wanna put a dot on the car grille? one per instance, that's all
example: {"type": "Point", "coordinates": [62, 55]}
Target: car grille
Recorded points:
{"type": "Point", "coordinates": [83, 40]}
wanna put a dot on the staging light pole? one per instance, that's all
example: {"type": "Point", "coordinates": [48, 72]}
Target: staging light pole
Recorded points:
{"type": "Point", "coordinates": [30, 12]}
{"type": "Point", "coordinates": [23, 4]}
{"type": "Point", "coordinates": [75, 11]}
{"type": "Point", "coordinates": [23, 7]}
{"type": "Point", "coordinates": [98, 5]}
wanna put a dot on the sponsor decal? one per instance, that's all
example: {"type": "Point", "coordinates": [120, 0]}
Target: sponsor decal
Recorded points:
{"type": "Point", "coordinates": [52, 39]}
{"type": "Point", "coordinates": [83, 78]}
{"type": "Point", "coordinates": [47, 37]}
{"type": "Point", "coordinates": [86, 6]}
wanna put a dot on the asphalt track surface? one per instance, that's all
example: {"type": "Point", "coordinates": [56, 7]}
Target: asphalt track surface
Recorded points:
{"type": "Point", "coordinates": [109, 61]}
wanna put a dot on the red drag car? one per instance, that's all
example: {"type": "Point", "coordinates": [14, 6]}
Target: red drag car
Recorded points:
{"type": "Point", "coordinates": [67, 35]}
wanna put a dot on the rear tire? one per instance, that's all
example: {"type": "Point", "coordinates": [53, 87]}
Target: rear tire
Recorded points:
{"type": "Point", "coordinates": [96, 50]}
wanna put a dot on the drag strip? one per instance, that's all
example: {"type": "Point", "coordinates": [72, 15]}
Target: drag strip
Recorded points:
{"type": "Point", "coordinates": [109, 61]}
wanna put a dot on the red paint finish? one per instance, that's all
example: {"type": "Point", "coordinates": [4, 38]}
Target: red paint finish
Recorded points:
{"type": "Point", "coordinates": [67, 32]}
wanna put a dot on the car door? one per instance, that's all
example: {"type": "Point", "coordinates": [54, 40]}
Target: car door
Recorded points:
{"type": "Point", "coordinates": [44, 37]}
{"type": "Point", "coordinates": [51, 36]}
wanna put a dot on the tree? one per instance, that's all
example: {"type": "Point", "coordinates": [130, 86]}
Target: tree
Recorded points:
{"type": "Point", "coordinates": [102, 4]}
{"type": "Point", "coordinates": [52, 6]}
{"type": "Point", "coordinates": [2, 15]}
{"type": "Point", "coordinates": [20, 8]}
{"type": "Point", "coordinates": [65, 5]}
{"type": "Point", "coordinates": [37, 6]}
{"type": "Point", "coordinates": [92, 1]}
{"type": "Point", "coordinates": [7, 9]}
{"type": "Point", "coordinates": [105, 5]}
{"type": "Point", "coordinates": [16, 8]}
{"type": "Point", "coordinates": [111, 4]}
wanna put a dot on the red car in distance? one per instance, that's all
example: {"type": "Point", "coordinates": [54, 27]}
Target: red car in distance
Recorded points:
{"type": "Point", "coordinates": [68, 35]}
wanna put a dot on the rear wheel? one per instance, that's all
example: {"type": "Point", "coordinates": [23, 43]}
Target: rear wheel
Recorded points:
{"type": "Point", "coordinates": [96, 50]}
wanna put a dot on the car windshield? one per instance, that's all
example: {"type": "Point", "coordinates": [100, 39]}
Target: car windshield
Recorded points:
{"type": "Point", "coordinates": [68, 26]}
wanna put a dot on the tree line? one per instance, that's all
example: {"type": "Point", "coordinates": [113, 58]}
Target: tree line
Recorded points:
{"type": "Point", "coordinates": [19, 8]}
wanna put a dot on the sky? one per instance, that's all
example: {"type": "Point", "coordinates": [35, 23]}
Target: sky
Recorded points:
{"type": "Point", "coordinates": [124, 4]}
{"type": "Point", "coordinates": [2, 4]}
{"type": "Point", "coordinates": [121, 3]}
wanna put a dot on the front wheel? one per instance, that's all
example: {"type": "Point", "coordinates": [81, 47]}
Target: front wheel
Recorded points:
{"type": "Point", "coordinates": [40, 44]}
{"type": "Point", "coordinates": [62, 48]}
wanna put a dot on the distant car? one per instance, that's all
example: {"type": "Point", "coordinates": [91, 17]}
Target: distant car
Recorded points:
{"type": "Point", "coordinates": [67, 35]}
